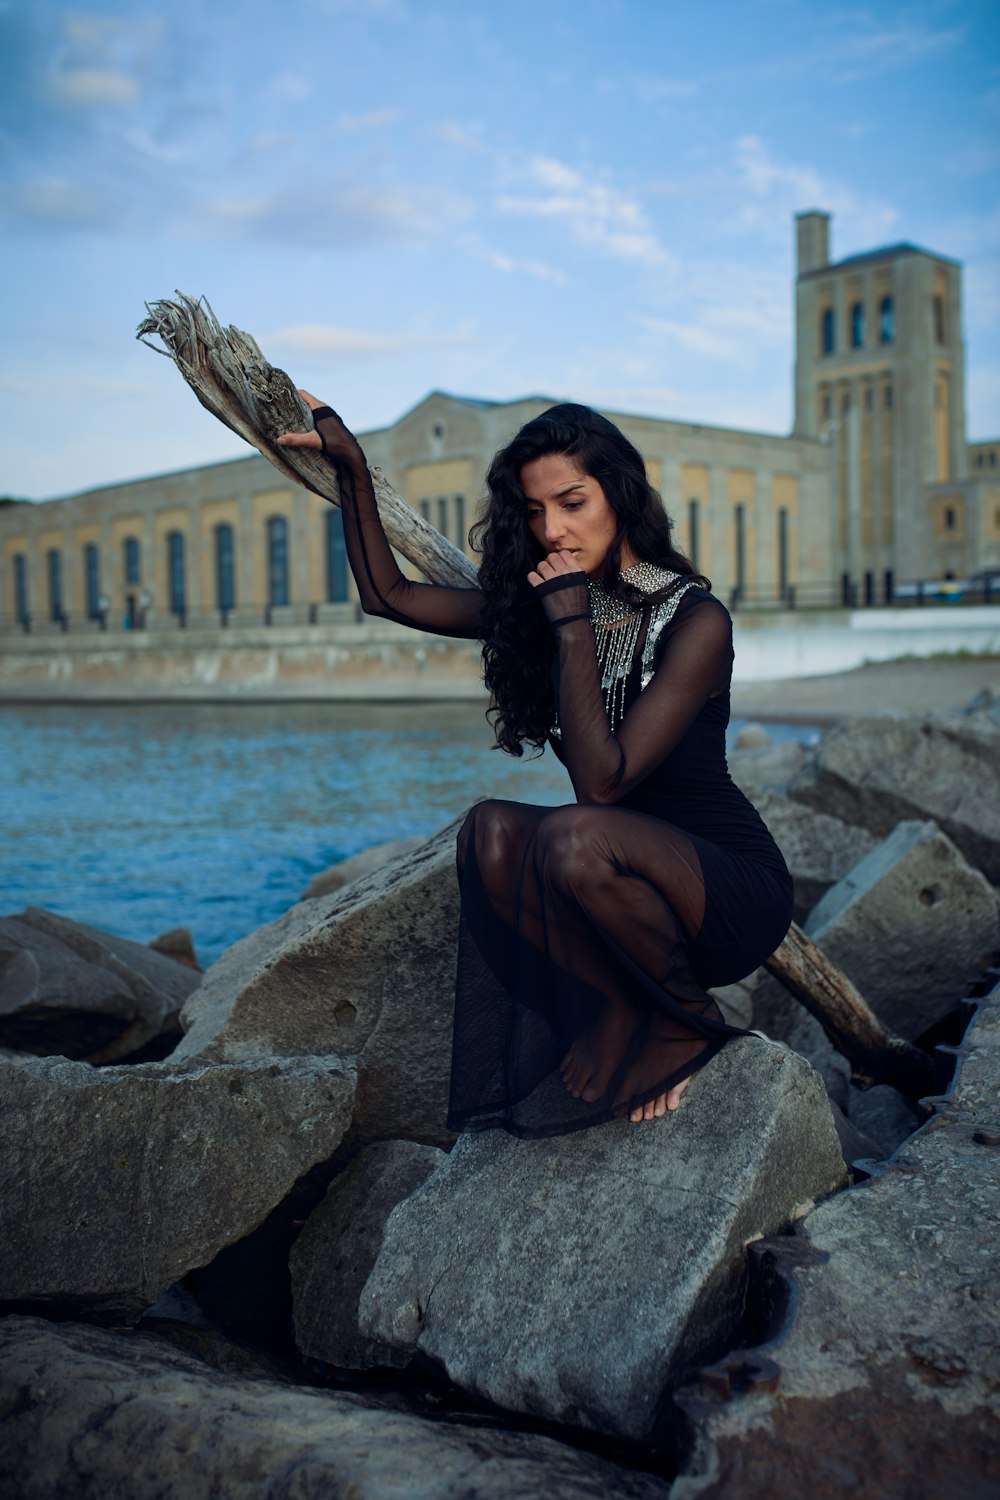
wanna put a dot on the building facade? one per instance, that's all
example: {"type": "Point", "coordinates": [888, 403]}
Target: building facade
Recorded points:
{"type": "Point", "coordinates": [876, 486]}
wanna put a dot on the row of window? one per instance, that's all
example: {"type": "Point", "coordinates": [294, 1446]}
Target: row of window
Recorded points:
{"type": "Point", "coordinates": [739, 522]}
{"type": "Point", "coordinates": [224, 543]}
{"type": "Point", "coordinates": [856, 322]}
{"type": "Point", "coordinates": [867, 398]}
{"type": "Point", "coordinates": [442, 513]}
{"type": "Point", "coordinates": [987, 459]}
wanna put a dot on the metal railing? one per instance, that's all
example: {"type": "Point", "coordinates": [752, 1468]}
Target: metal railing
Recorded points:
{"type": "Point", "coordinates": [830, 594]}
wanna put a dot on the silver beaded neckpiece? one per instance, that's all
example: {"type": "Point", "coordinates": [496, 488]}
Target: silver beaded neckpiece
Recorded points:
{"type": "Point", "coordinates": [618, 625]}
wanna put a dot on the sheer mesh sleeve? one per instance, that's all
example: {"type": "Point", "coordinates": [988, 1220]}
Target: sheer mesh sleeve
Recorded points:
{"type": "Point", "coordinates": [383, 589]}
{"type": "Point", "coordinates": [694, 663]}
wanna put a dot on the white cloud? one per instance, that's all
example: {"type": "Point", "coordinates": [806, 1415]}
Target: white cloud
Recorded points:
{"type": "Point", "coordinates": [457, 135]}
{"type": "Point", "coordinates": [596, 213]}
{"type": "Point", "coordinates": [651, 90]}
{"type": "Point", "coordinates": [94, 86]}
{"type": "Point", "coordinates": [374, 119]}
{"type": "Point", "coordinates": [288, 88]}
{"type": "Point", "coordinates": [345, 211]}
{"type": "Point", "coordinates": [56, 199]}
{"type": "Point", "coordinates": [866, 52]}
{"type": "Point", "coordinates": [511, 264]}
{"type": "Point", "coordinates": [328, 339]}
{"type": "Point", "coordinates": [773, 191]}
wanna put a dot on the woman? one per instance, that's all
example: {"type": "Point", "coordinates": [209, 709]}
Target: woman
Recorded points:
{"type": "Point", "coordinates": [590, 933]}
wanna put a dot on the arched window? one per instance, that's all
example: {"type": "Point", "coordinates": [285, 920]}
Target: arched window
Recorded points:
{"type": "Point", "coordinates": [53, 560]}
{"type": "Point", "coordinates": [92, 580]}
{"type": "Point", "coordinates": [858, 326]}
{"type": "Point", "coordinates": [225, 579]}
{"type": "Point", "coordinates": [277, 560]}
{"type": "Point", "coordinates": [826, 331]}
{"type": "Point", "coordinates": [336, 558]}
{"type": "Point", "coordinates": [694, 540]}
{"type": "Point", "coordinates": [461, 540]}
{"type": "Point", "coordinates": [132, 555]}
{"type": "Point", "coordinates": [886, 320]}
{"type": "Point", "coordinates": [21, 587]}
{"type": "Point", "coordinates": [939, 317]}
{"type": "Point", "coordinates": [443, 515]}
{"type": "Point", "coordinates": [176, 573]}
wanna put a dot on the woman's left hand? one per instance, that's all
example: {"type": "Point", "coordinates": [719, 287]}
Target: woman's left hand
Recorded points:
{"type": "Point", "coordinates": [561, 586]}
{"type": "Point", "coordinates": [555, 565]}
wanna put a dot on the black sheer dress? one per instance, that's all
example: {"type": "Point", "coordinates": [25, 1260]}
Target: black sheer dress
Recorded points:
{"type": "Point", "coordinates": [590, 934]}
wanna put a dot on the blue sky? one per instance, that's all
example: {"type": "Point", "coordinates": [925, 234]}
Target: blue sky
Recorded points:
{"type": "Point", "coordinates": [581, 198]}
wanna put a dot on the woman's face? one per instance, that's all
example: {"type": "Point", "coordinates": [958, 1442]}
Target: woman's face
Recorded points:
{"type": "Point", "coordinates": [568, 511]}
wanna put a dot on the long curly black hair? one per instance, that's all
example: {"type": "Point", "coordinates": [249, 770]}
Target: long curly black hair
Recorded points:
{"type": "Point", "coordinates": [519, 645]}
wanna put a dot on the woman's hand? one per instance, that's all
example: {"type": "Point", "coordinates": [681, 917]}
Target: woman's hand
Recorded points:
{"type": "Point", "coordinates": [561, 589]}
{"type": "Point", "coordinates": [336, 440]}
{"type": "Point", "coordinates": [554, 565]}
{"type": "Point", "coordinates": [309, 439]}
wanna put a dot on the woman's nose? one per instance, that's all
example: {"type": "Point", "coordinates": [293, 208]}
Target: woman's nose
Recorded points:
{"type": "Point", "coordinates": [554, 528]}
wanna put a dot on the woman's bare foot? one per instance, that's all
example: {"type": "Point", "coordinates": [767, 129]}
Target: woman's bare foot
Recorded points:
{"type": "Point", "coordinates": [590, 1063]}
{"type": "Point", "coordinates": [655, 1109]}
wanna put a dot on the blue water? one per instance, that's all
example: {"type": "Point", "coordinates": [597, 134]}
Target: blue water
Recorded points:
{"type": "Point", "coordinates": [215, 817]}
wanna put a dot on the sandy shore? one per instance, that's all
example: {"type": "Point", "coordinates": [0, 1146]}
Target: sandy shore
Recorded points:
{"type": "Point", "coordinates": [881, 687]}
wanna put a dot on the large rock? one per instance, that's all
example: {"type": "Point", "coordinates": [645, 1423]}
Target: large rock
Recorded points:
{"type": "Point", "coordinates": [334, 1255]}
{"type": "Point", "coordinates": [366, 863]}
{"type": "Point", "coordinates": [767, 767]}
{"type": "Point", "coordinates": [578, 1278]}
{"type": "Point", "coordinates": [366, 974]}
{"type": "Point", "coordinates": [71, 990]}
{"type": "Point", "coordinates": [118, 1181]}
{"type": "Point", "coordinates": [909, 925]}
{"type": "Point", "coordinates": [818, 850]}
{"type": "Point", "coordinates": [92, 1414]}
{"type": "Point", "coordinates": [885, 1378]}
{"type": "Point", "coordinates": [880, 771]}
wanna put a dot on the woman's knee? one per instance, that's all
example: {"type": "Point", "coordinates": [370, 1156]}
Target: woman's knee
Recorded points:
{"type": "Point", "coordinates": [488, 831]}
{"type": "Point", "coordinates": [571, 845]}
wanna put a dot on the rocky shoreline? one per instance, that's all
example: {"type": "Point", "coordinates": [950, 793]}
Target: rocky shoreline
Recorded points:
{"type": "Point", "coordinates": [240, 1253]}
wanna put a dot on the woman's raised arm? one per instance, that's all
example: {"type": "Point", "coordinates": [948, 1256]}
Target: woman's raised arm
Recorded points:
{"type": "Point", "coordinates": [383, 589]}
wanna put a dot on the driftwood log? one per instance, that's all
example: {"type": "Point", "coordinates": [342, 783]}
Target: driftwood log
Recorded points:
{"type": "Point", "coordinates": [875, 1054]}
{"type": "Point", "coordinates": [232, 379]}
{"type": "Point", "coordinates": [230, 376]}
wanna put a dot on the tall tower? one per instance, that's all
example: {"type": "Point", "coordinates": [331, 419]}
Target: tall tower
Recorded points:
{"type": "Point", "coordinates": [880, 375]}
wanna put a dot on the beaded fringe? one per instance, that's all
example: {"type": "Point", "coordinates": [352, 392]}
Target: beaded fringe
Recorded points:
{"type": "Point", "coordinates": [618, 625]}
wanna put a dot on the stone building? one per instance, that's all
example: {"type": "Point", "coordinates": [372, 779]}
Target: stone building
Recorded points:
{"type": "Point", "coordinates": [875, 487]}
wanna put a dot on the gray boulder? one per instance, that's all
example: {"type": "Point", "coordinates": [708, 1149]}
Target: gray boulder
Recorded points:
{"type": "Point", "coordinates": [909, 925]}
{"type": "Point", "coordinates": [878, 772]}
{"type": "Point", "coordinates": [90, 1413]}
{"type": "Point", "coordinates": [818, 850]}
{"type": "Point", "coordinates": [365, 863]}
{"type": "Point", "coordinates": [884, 1378]}
{"type": "Point", "coordinates": [177, 944]}
{"type": "Point", "coordinates": [334, 1255]}
{"type": "Point", "coordinates": [883, 1114]}
{"type": "Point", "coordinates": [578, 1278]}
{"type": "Point", "coordinates": [118, 1181]}
{"type": "Point", "coordinates": [366, 974]}
{"type": "Point", "coordinates": [752, 737]}
{"type": "Point", "coordinates": [766, 767]}
{"type": "Point", "coordinates": [71, 990]}
{"type": "Point", "coordinates": [785, 1019]}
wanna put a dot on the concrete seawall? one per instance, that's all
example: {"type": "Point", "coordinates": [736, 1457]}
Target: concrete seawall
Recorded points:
{"type": "Point", "coordinates": [381, 661]}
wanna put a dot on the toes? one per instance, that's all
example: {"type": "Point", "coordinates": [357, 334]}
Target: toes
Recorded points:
{"type": "Point", "coordinates": [676, 1093]}
{"type": "Point", "coordinates": [660, 1106]}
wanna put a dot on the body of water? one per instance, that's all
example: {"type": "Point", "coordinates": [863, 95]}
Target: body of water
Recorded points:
{"type": "Point", "coordinates": [216, 817]}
